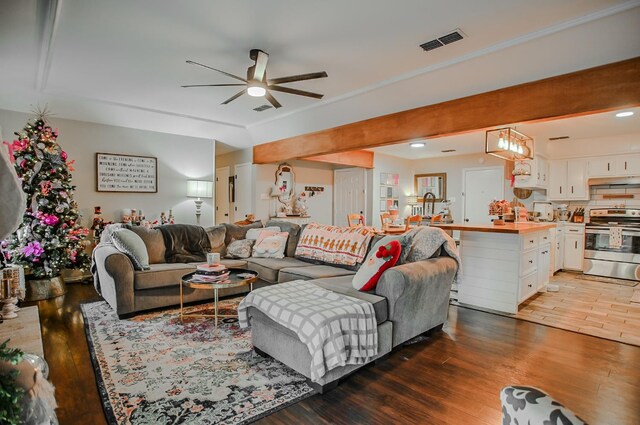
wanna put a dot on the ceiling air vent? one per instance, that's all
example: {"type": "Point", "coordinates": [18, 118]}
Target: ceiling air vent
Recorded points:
{"type": "Point", "coordinates": [449, 38]}
{"type": "Point", "coordinates": [558, 138]}
{"type": "Point", "coordinates": [262, 108]}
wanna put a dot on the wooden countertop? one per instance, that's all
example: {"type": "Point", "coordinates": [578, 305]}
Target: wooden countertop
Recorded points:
{"type": "Point", "coordinates": [516, 228]}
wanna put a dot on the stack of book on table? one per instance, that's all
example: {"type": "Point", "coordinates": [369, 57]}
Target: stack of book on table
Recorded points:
{"type": "Point", "coordinates": [211, 274]}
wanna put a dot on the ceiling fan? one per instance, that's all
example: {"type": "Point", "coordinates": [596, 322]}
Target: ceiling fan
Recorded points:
{"type": "Point", "coordinates": [258, 85]}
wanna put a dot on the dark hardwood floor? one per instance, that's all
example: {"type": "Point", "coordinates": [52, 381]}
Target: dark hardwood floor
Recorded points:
{"type": "Point", "coordinates": [453, 377]}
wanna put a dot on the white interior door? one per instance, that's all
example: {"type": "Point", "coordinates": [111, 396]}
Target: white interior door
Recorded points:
{"type": "Point", "coordinates": [480, 186]}
{"type": "Point", "coordinates": [244, 193]}
{"type": "Point", "coordinates": [349, 194]}
{"type": "Point", "coordinates": [222, 195]}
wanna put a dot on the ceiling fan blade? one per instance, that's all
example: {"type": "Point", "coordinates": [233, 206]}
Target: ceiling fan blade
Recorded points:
{"type": "Point", "coordinates": [295, 91]}
{"type": "Point", "coordinates": [222, 72]}
{"type": "Point", "coordinates": [234, 97]}
{"type": "Point", "coordinates": [301, 77]}
{"type": "Point", "coordinates": [272, 100]}
{"type": "Point", "coordinates": [260, 67]}
{"type": "Point", "coordinates": [212, 85]}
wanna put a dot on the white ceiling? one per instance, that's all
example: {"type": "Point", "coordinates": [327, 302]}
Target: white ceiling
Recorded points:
{"type": "Point", "coordinates": [122, 63]}
{"type": "Point", "coordinates": [585, 127]}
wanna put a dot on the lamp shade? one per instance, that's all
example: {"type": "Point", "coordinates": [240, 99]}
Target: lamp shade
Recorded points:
{"type": "Point", "coordinates": [199, 189]}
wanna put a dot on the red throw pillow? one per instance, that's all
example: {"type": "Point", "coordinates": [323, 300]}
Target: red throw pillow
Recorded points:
{"type": "Point", "coordinates": [381, 257]}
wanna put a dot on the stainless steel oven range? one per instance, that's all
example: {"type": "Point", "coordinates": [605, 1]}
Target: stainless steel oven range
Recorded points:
{"type": "Point", "coordinates": [612, 243]}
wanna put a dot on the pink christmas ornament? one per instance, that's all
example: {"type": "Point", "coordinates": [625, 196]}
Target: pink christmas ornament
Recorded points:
{"type": "Point", "coordinates": [33, 249]}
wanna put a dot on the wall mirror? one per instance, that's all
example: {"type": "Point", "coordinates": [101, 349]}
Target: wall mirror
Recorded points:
{"type": "Point", "coordinates": [435, 183]}
{"type": "Point", "coordinates": [285, 184]}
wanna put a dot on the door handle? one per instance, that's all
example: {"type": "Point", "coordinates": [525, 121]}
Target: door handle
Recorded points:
{"type": "Point", "coordinates": [466, 219]}
{"type": "Point", "coordinates": [576, 244]}
{"type": "Point", "coordinates": [608, 167]}
{"type": "Point", "coordinates": [530, 261]}
{"type": "Point", "coordinates": [560, 190]}
{"type": "Point", "coordinates": [625, 165]}
{"type": "Point", "coordinates": [571, 189]}
{"type": "Point", "coordinates": [226, 215]}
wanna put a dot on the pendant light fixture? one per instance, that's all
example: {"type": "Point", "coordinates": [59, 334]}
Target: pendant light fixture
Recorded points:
{"type": "Point", "coordinates": [509, 144]}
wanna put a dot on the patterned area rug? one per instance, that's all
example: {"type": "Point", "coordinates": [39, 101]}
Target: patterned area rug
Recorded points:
{"type": "Point", "coordinates": [153, 369]}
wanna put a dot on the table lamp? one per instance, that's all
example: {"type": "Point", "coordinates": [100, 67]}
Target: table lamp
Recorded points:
{"type": "Point", "coordinates": [199, 189]}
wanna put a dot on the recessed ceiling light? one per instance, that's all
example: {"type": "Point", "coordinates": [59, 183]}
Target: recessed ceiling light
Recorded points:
{"type": "Point", "coordinates": [624, 114]}
{"type": "Point", "coordinates": [417, 145]}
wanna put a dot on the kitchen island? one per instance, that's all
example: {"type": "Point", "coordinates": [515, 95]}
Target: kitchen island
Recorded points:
{"type": "Point", "coordinates": [503, 265]}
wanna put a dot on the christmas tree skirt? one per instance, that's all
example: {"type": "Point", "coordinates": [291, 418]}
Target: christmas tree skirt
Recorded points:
{"type": "Point", "coordinates": [153, 369]}
{"type": "Point", "coordinates": [45, 288]}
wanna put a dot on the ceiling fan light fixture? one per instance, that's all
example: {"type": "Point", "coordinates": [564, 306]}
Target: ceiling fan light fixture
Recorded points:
{"type": "Point", "coordinates": [256, 90]}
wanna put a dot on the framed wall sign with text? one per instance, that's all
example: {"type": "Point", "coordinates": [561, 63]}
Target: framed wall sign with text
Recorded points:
{"type": "Point", "coordinates": [126, 173]}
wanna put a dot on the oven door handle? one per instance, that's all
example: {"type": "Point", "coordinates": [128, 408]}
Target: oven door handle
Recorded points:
{"type": "Point", "coordinates": [626, 231]}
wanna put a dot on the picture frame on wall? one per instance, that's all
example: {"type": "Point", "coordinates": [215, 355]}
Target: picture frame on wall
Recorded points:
{"type": "Point", "coordinates": [383, 192]}
{"type": "Point", "coordinates": [126, 173]}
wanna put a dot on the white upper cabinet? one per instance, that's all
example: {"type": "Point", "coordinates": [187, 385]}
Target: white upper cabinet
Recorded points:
{"type": "Point", "coordinates": [614, 166]}
{"type": "Point", "coordinates": [568, 180]}
{"type": "Point", "coordinates": [532, 174]}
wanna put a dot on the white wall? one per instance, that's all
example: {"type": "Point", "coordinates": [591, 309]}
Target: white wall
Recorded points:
{"type": "Point", "coordinates": [307, 173]}
{"type": "Point", "coordinates": [179, 158]}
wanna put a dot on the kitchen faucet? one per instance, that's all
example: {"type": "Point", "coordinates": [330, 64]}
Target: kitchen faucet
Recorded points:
{"type": "Point", "coordinates": [432, 197]}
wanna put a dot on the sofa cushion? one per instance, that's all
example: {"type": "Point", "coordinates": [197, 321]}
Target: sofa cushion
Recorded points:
{"type": "Point", "coordinates": [133, 246]}
{"type": "Point", "coordinates": [254, 234]}
{"type": "Point", "coordinates": [162, 275]}
{"type": "Point", "coordinates": [311, 272]}
{"type": "Point", "coordinates": [236, 231]}
{"type": "Point", "coordinates": [342, 285]}
{"type": "Point", "coordinates": [294, 234]}
{"type": "Point", "coordinates": [217, 236]}
{"type": "Point", "coordinates": [234, 263]}
{"type": "Point", "coordinates": [268, 268]}
{"type": "Point", "coordinates": [154, 242]}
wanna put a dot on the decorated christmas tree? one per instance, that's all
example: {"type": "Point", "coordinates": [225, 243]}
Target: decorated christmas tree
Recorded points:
{"type": "Point", "coordinates": [49, 238]}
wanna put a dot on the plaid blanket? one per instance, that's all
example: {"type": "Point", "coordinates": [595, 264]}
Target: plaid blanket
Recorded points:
{"type": "Point", "coordinates": [338, 330]}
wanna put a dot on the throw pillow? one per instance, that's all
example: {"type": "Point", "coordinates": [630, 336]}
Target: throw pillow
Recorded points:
{"type": "Point", "coordinates": [254, 234]}
{"type": "Point", "coordinates": [294, 234]}
{"type": "Point", "coordinates": [270, 245]}
{"type": "Point", "coordinates": [240, 248]}
{"type": "Point", "coordinates": [216, 236]}
{"type": "Point", "coordinates": [385, 254]}
{"type": "Point", "coordinates": [132, 246]}
{"type": "Point", "coordinates": [154, 242]}
{"type": "Point", "coordinates": [235, 231]}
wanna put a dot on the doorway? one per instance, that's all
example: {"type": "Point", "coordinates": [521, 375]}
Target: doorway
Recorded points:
{"type": "Point", "coordinates": [349, 194]}
{"type": "Point", "coordinates": [222, 195]}
{"type": "Point", "coordinates": [480, 186]}
{"type": "Point", "coordinates": [243, 191]}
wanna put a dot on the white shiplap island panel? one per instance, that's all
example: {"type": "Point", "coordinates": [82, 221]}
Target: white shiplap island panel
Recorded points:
{"type": "Point", "coordinates": [500, 270]}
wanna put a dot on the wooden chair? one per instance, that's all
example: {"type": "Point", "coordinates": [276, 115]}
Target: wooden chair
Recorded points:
{"type": "Point", "coordinates": [385, 220]}
{"type": "Point", "coordinates": [417, 219]}
{"type": "Point", "coordinates": [355, 220]}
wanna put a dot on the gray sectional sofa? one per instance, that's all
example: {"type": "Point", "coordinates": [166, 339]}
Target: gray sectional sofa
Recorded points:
{"type": "Point", "coordinates": [410, 299]}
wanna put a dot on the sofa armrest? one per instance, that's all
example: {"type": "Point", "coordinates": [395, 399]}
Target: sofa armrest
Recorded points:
{"type": "Point", "coordinates": [115, 274]}
{"type": "Point", "coordinates": [418, 295]}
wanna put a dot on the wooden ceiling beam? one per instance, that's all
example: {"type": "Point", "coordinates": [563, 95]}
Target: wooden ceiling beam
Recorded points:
{"type": "Point", "coordinates": [589, 91]}
{"type": "Point", "coordinates": [359, 158]}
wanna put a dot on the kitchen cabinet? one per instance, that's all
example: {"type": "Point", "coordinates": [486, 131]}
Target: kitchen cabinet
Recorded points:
{"type": "Point", "coordinates": [614, 166]}
{"type": "Point", "coordinates": [573, 246]}
{"type": "Point", "coordinates": [538, 173]}
{"type": "Point", "coordinates": [544, 259]}
{"type": "Point", "coordinates": [559, 250]}
{"type": "Point", "coordinates": [568, 180]}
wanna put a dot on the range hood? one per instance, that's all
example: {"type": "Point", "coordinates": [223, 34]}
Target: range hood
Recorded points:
{"type": "Point", "coordinates": [614, 181]}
